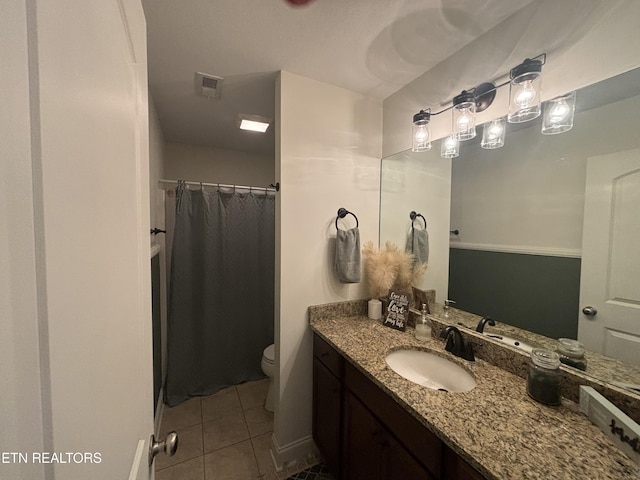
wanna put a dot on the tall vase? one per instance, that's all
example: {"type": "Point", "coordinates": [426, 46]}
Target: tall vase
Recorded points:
{"type": "Point", "coordinates": [374, 310]}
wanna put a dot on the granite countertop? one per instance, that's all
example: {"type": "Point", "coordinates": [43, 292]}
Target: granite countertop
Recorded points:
{"type": "Point", "coordinates": [496, 427]}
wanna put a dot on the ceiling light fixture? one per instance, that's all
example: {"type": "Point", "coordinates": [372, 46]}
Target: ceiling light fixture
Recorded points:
{"type": "Point", "coordinates": [525, 81]}
{"type": "Point", "coordinates": [254, 123]}
{"type": "Point", "coordinates": [253, 126]}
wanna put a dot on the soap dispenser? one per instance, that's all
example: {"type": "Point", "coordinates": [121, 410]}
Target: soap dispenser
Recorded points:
{"type": "Point", "coordinates": [423, 325]}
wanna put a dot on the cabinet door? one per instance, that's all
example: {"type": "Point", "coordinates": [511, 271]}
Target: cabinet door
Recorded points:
{"type": "Point", "coordinates": [455, 468]}
{"type": "Point", "coordinates": [327, 391]}
{"type": "Point", "coordinates": [363, 437]}
{"type": "Point", "coordinates": [400, 464]}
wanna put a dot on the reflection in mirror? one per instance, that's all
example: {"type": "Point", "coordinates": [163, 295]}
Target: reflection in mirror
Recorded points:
{"type": "Point", "coordinates": [523, 240]}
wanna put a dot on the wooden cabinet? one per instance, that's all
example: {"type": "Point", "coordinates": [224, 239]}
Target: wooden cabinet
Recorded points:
{"type": "Point", "coordinates": [363, 433]}
{"type": "Point", "coordinates": [363, 441]}
{"type": "Point", "coordinates": [455, 468]}
{"type": "Point", "coordinates": [401, 465]}
{"type": "Point", "coordinates": [327, 403]}
{"type": "Point", "coordinates": [371, 451]}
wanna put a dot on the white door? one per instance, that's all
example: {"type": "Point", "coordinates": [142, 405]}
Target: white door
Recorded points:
{"type": "Point", "coordinates": [89, 112]}
{"type": "Point", "coordinates": [609, 319]}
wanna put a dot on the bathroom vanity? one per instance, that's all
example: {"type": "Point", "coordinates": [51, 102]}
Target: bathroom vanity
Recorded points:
{"type": "Point", "coordinates": [370, 422]}
{"type": "Point", "coordinates": [363, 433]}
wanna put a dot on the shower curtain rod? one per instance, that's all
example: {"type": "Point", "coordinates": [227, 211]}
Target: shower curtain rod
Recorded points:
{"type": "Point", "coordinates": [275, 187]}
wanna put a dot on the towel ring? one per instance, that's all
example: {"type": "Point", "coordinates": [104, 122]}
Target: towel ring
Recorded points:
{"type": "Point", "coordinates": [414, 215]}
{"type": "Point", "coordinates": [343, 212]}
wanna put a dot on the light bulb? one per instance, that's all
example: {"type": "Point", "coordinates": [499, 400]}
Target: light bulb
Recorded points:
{"type": "Point", "coordinates": [421, 134]}
{"type": "Point", "coordinates": [526, 94]}
{"type": "Point", "coordinates": [464, 120]}
{"type": "Point", "coordinates": [559, 112]}
{"type": "Point", "coordinates": [495, 130]}
{"type": "Point", "coordinates": [450, 147]}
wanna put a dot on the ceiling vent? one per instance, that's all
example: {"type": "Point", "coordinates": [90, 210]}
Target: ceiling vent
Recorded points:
{"type": "Point", "coordinates": [208, 85]}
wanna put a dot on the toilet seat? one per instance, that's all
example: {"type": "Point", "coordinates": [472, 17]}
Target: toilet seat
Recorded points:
{"type": "Point", "coordinates": [269, 353]}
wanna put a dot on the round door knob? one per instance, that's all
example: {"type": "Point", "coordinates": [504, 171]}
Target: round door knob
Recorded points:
{"type": "Point", "coordinates": [590, 311]}
{"type": "Point", "coordinates": [169, 446]}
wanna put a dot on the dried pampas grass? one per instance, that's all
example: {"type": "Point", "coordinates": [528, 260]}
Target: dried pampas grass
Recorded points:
{"type": "Point", "coordinates": [389, 267]}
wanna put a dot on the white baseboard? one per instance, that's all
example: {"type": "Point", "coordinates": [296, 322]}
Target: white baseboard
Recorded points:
{"type": "Point", "coordinates": [522, 249]}
{"type": "Point", "coordinates": [293, 454]}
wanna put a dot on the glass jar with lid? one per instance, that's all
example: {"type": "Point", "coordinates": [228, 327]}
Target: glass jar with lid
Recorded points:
{"type": "Point", "coordinates": [572, 353]}
{"type": "Point", "coordinates": [544, 379]}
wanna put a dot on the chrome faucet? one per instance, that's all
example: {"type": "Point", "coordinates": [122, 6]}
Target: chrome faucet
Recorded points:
{"type": "Point", "coordinates": [482, 323]}
{"type": "Point", "coordinates": [455, 343]}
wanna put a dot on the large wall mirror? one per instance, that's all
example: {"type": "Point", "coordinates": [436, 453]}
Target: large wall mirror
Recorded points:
{"type": "Point", "coordinates": [536, 215]}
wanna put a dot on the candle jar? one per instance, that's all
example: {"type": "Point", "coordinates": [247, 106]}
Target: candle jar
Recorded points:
{"type": "Point", "coordinates": [572, 353]}
{"type": "Point", "coordinates": [543, 381]}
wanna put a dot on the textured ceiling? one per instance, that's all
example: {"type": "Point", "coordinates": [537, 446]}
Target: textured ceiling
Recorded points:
{"type": "Point", "coordinates": [370, 46]}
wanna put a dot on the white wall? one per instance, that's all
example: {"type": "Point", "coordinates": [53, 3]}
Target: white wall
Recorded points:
{"type": "Point", "coordinates": [585, 42]}
{"type": "Point", "coordinates": [422, 183]}
{"type": "Point", "coordinates": [21, 416]}
{"type": "Point", "coordinates": [217, 165]}
{"type": "Point", "coordinates": [327, 156]}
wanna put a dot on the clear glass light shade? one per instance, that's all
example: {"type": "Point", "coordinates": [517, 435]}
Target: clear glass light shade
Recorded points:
{"type": "Point", "coordinates": [464, 120]}
{"type": "Point", "coordinates": [450, 147]}
{"type": "Point", "coordinates": [421, 136]}
{"type": "Point", "coordinates": [558, 114]}
{"type": "Point", "coordinates": [493, 133]}
{"type": "Point", "coordinates": [524, 95]}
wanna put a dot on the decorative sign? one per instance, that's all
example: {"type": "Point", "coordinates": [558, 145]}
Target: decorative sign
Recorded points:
{"type": "Point", "coordinates": [397, 311]}
{"type": "Point", "coordinates": [621, 429]}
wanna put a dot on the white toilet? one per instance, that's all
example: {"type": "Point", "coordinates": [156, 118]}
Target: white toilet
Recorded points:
{"type": "Point", "coordinates": [268, 368]}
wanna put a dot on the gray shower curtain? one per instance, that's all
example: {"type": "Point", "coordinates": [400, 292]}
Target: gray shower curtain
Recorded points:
{"type": "Point", "coordinates": [221, 290]}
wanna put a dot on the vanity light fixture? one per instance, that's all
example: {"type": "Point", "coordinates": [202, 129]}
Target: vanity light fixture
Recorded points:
{"type": "Point", "coordinates": [558, 114]}
{"type": "Point", "coordinates": [524, 83]}
{"type": "Point", "coordinates": [421, 133]}
{"type": "Point", "coordinates": [493, 133]}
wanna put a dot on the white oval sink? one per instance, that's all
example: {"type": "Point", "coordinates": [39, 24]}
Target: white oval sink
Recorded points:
{"type": "Point", "coordinates": [430, 370]}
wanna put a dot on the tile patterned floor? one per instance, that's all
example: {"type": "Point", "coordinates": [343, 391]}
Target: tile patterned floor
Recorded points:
{"type": "Point", "coordinates": [317, 472]}
{"type": "Point", "coordinates": [225, 436]}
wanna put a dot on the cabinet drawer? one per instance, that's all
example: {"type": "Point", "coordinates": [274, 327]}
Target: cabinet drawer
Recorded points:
{"type": "Point", "coordinates": [328, 356]}
{"type": "Point", "coordinates": [416, 438]}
